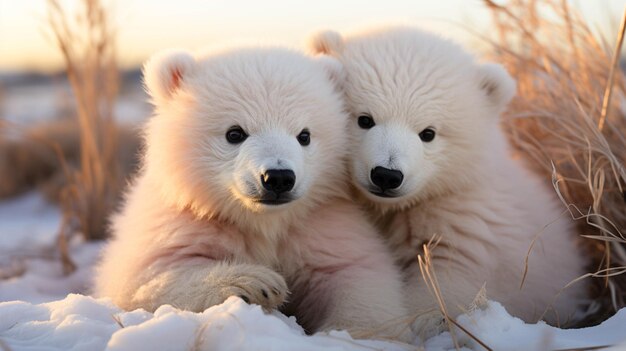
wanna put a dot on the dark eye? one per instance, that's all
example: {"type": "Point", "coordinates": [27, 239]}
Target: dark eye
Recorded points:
{"type": "Point", "coordinates": [236, 135]}
{"type": "Point", "coordinates": [304, 138]}
{"type": "Point", "coordinates": [366, 122]}
{"type": "Point", "coordinates": [427, 135]}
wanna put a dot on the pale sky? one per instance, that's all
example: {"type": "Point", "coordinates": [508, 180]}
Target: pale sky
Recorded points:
{"type": "Point", "coordinates": [148, 26]}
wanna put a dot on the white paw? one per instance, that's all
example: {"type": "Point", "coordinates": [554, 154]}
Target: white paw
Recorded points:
{"type": "Point", "coordinates": [255, 284]}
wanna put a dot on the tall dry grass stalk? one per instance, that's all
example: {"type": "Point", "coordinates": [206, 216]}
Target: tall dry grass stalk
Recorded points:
{"type": "Point", "coordinates": [427, 271]}
{"type": "Point", "coordinates": [87, 42]}
{"type": "Point", "coordinates": [569, 120]}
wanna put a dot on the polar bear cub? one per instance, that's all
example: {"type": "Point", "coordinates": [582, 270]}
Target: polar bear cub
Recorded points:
{"type": "Point", "coordinates": [240, 194]}
{"type": "Point", "coordinates": [429, 159]}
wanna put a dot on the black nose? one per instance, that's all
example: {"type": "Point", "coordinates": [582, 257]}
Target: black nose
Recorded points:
{"type": "Point", "coordinates": [386, 178]}
{"type": "Point", "coordinates": [278, 180]}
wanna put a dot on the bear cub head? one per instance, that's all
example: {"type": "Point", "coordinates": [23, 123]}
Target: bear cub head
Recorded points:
{"type": "Point", "coordinates": [424, 113]}
{"type": "Point", "coordinates": [257, 131]}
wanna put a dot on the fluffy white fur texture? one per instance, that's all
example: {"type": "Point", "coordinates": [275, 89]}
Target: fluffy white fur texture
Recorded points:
{"type": "Point", "coordinates": [192, 231]}
{"type": "Point", "coordinates": [464, 186]}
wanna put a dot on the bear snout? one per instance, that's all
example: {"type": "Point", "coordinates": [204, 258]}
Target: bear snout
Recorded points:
{"type": "Point", "coordinates": [278, 181]}
{"type": "Point", "coordinates": [386, 179]}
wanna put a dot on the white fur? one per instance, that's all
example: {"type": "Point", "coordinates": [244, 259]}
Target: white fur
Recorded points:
{"type": "Point", "coordinates": [164, 73]}
{"type": "Point", "coordinates": [464, 186]}
{"type": "Point", "coordinates": [192, 232]}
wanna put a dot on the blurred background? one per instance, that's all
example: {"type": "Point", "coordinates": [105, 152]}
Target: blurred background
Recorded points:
{"type": "Point", "coordinates": [31, 65]}
{"type": "Point", "coordinates": [146, 26]}
{"type": "Point", "coordinates": [71, 103]}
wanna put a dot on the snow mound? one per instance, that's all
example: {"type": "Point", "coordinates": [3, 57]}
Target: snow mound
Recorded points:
{"type": "Point", "coordinates": [500, 331]}
{"type": "Point", "coordinates": [83, 323]}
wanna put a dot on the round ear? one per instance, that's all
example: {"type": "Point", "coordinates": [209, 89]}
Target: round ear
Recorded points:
{"type": "Point", "coordinates": [334, 70]}
{"type": "Point", "coordinates": [498, 85]}
{"type": "Point", "coordinates": [326, 42]}
{"type": "Point", "coordinates": [165, 72]}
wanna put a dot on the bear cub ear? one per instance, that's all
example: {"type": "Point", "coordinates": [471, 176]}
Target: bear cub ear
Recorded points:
{"type": "Point", "coordinates": [334, 70]}
{"type": "Point", "coordinates": [165, 72]}
{"type": "Point", "coordinates": [498, 85]}
{"type": "Point", "coordinates": [326, 42]}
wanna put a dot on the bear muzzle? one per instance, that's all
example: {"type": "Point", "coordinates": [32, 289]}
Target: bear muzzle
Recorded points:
{"type": "Point", "coordinates": [385, 181]}
{"type": "Point", "coordinates": [277, 184]}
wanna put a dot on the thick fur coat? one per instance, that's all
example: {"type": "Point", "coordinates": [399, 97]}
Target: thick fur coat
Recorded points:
{"type": "Point", "coordinates": [204, 219]}
{"type": "Point", "coordinates": [430, 160]}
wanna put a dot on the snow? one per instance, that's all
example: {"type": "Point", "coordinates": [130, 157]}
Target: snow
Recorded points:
{"type": "Point", "coordinates": [28, 234]}
{"type": "Point", "coordinates": [27, 100]}
{"type": "Point", "coordinates": [27, 223]}
{"type": "Point", "coordinates": [500, 331]}
{"type": "Point", "coordinates": [83, 323]}
{"type": "Point", "coordinates": [41, 310]}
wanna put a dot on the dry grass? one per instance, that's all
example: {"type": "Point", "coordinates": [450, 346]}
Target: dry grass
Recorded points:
{"type": "Point", "coordinates": [30, 160]}
{"type": "Point", "coordinates": [427, 271]}
{"type": "Point", "coordinates": [567, 119]}
{"type": "Point", "coordinates": [23, 165]}
{"type": "Point", "coordinates": [87, 43]}
{"type": "Point", "coordinates": [118, 321]}
{"type": "Point", "coordinates": [40, 154]}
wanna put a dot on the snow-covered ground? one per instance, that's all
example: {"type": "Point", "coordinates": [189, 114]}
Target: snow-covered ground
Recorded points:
{"type": "Point", "coordinates": [36, 312]}
{"type": "Point", "coordinates": [28, 253]}
{"type": "Point", "coordinates": [25, 100]}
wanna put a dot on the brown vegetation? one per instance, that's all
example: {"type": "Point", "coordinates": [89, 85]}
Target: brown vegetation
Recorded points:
{"type": "Point", "coordinates": [564, 121]}
{"type": "Point", "coordinates": [87, 44]}
{"type": "Point", "coordinates": [41, 156]}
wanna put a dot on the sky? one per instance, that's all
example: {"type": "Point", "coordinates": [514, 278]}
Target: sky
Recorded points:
{"type": "Point", "coordinates": [146, 26]}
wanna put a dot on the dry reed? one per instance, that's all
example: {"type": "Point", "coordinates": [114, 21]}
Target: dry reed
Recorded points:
{"type": "Point", "coordinates": [87, 43]}
{"type": "Point", "coordinates": [568, 120]}
{"type": "Point", "coordinates": [427, 271]}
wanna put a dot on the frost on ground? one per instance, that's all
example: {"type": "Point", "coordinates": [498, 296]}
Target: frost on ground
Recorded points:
{"type": "Point", "coordinates": [36, 312]}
